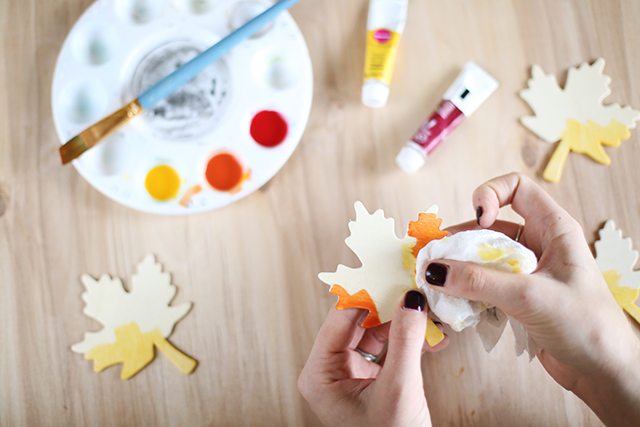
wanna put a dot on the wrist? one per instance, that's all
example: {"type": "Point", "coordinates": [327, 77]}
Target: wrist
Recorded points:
{"type": "Point", "coordinates": [612, 389]}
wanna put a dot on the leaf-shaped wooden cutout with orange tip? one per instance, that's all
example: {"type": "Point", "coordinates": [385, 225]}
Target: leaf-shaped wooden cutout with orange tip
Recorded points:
{"type": "Point", "coordinates": [388, 266]}
{"type": "Point", "coordinates": [384, 275]}
{"type": "Point", "coordinates": [360, 299]}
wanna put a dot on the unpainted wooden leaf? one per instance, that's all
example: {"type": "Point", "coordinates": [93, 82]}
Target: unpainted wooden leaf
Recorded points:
{"type": "Point", "coordinates": [616, 259]}
{"type": "Point", "coordinates": [133, 322]}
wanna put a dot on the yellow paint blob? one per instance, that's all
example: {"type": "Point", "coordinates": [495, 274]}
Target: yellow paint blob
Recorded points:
{"type": "Point", "coordinates": [515, 265]}
{"type": "Point", "coordinates": [162, 183]}
{"type": "Point", "coordinates": [488, 253]}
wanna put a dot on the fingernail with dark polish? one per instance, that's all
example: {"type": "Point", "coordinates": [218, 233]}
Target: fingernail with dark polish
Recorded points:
{"type": "Point", "coordinates": [479, 212]}
{"type": "Point", "coordinates": [414, 300]}
{"type": "Point", "coordinates": [436, 274]}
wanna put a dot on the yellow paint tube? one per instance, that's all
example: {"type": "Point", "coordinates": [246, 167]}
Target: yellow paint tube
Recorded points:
{"type": "Point", "coordinates": [385, 24]}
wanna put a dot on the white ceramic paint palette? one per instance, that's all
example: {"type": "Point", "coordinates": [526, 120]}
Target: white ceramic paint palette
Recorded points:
{"type": "Point", "coordinates": [219, 138]}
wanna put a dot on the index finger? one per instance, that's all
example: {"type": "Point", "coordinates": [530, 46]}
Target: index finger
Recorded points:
{"type": "Point", "coordinates": [544, 218]}
{"type": "Point", "coordinates": [340, 331]}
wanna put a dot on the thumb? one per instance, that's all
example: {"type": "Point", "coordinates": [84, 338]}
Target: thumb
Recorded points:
{"type": "Point", "coordinates": [406, 338]}
{"type": "Point", "coordinates": [510, 292]}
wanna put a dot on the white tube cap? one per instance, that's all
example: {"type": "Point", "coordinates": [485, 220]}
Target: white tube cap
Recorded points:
{"type": "Point", "coordinates": [375, 94]}
{"type": "Point", "coordinates": [410, 158]}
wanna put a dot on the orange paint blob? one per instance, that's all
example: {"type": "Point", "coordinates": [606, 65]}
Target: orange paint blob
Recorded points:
{"type": "Point", "coordinates": [224, 172]}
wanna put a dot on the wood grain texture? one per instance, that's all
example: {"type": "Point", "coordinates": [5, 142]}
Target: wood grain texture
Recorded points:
{"type": "Point", "coordinates": [251, 268]}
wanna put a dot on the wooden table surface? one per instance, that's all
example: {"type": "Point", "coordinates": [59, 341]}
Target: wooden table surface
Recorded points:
{"type": "Point", "coordinates": [251, 268]}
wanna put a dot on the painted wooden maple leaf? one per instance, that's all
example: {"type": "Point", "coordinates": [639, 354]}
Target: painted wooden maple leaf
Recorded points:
{"type": "Point", "coordinates": [616, 258]}
{"type": "Point", "coordinates": [387, 265]}
{"type": "Point", "coordinates": [135, 323]}
{"type": "Point", "coordinates": [575, 115]}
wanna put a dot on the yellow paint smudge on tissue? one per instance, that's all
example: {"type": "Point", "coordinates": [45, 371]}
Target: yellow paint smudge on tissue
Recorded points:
{"type": "Point", "coordinates": [489, 253]}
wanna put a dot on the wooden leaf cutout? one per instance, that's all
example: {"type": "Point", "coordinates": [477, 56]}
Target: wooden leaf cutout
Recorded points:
{"type": "Point", "coordinates": [575, 115]}
{"type": "Point", "coordinates": [387, 266]}
{"type": "Point", "coordinates": [135, 323]}
{"type": "Point", "coordinates": [616, 259]}
{"type": "Point", "coordinates": [382, 273]}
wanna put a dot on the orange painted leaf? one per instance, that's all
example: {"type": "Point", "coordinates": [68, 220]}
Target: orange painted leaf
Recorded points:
{"type": "Point", "coordinates": [360, 299]}
{"type": "Point", "coordinates": [424, 230]}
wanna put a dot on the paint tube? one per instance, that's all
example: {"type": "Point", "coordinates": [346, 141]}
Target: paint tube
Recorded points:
{"type": "Point", "coordinates": [472, 87]}
{"type": "Point", "coordinates": [384, 27]}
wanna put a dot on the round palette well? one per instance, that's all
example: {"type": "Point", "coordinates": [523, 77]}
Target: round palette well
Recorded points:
{"type": "Point", "coordinates": [217, 139]}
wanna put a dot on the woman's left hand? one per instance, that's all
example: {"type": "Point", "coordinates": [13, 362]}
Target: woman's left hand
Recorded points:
{"type": "Point", "coordinates": [343, 388]}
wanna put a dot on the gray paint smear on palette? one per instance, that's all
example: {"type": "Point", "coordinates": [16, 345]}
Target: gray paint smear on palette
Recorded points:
{"type": "Point", "coordinates": [197, 107]}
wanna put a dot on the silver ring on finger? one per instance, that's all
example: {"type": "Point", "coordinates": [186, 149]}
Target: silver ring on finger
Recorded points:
{"type": "Point", "coordinates": [519, 233]}
{"type": "Point", "coordinates": [367, 356]}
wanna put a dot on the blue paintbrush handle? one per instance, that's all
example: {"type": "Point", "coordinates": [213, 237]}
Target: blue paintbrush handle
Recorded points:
{"type": "Point", "coordinates": [188, 71]}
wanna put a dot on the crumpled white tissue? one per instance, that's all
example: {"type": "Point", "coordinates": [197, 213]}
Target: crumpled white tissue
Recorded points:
{"type": "Point", "coordinates": [494, 250]}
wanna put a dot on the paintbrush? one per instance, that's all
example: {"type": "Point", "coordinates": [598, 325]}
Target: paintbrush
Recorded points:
{"type": "Point", "coordinates": [98, 131]}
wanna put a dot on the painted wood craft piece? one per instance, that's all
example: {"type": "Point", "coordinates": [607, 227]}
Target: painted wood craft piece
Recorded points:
{"type": "Point", "coordinates": [617, 258]}
{"type": "Point", "coordinates": [135, 322]}
{"type": "Point", "coordinates": [391, 265]}
{"type": "Point", "coordinates": [387, 265]}
{"type": "Point", "coordinates": [574, 116]}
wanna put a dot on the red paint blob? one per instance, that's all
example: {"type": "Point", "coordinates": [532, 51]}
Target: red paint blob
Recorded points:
{"type": "Point", "coordinates": [269, 128]}
{"type": "Point", "coordinates": [224, 172]}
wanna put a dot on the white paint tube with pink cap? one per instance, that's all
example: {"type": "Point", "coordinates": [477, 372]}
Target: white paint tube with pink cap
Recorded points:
{"type": "Point", "coordinates": [472, 87]}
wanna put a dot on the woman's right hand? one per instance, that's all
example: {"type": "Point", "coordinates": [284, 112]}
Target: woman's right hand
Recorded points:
{"type": "Point", "coordinates": [588, 346]}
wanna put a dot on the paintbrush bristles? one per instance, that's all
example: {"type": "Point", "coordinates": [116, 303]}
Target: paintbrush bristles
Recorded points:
{"type": "Point", "coordinates": [95, 133]}
{"type": "Point", "coordinates": [72, 149]}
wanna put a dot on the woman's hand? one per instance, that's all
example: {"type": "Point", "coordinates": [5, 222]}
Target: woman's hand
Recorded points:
{"type": "Point", "coordinates": [343, 388]}
{"type": "Point", "coordinates": [588, 346]}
